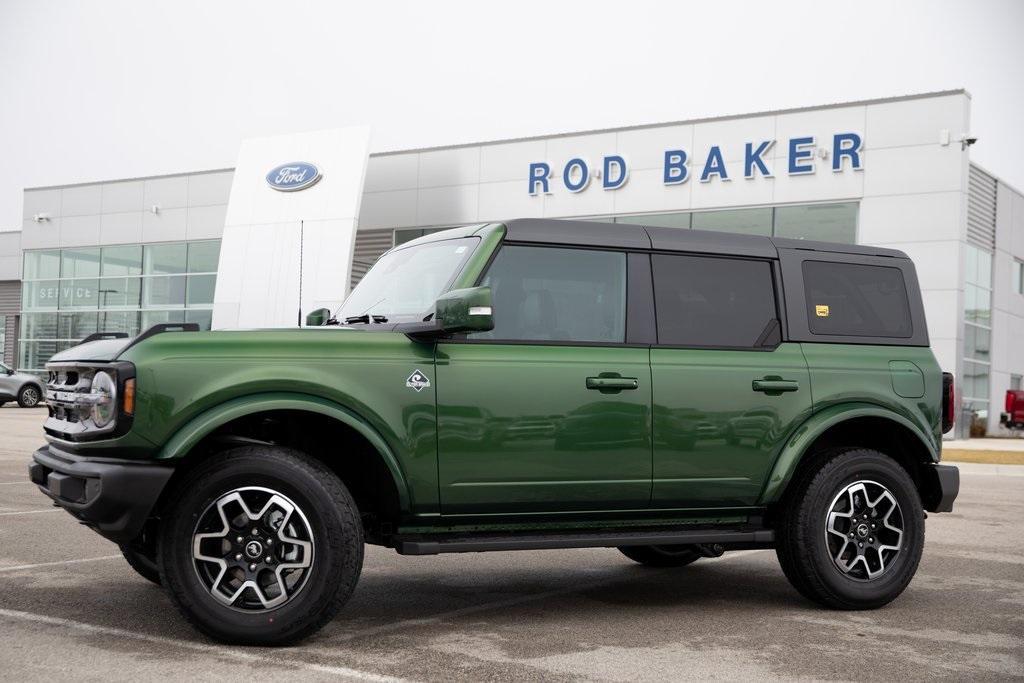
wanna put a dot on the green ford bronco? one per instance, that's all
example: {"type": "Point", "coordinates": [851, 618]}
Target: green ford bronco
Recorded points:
{"type": "Point", "coordinates": [529, 385]}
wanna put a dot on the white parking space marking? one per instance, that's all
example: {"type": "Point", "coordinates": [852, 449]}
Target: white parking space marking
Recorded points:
{"type": "Point", "coordinates": [29, 512]}
{"type": "Point", "coordinates": [12, 483]}
{"type": "Point", "coordinates": [235, 653]}
{"type": "Point", "coordinates": [22, 567]}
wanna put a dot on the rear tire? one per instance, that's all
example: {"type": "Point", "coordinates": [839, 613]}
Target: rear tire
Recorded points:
{"type": "Point", "coordinates": [261, 546]}
{"type": "Point", "coordinates": [852, 533]}
{"type": "Point", "coordinates": [661, 555]}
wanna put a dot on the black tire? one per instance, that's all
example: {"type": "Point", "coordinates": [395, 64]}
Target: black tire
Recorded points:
{"type": "Point", "coordinates": [803, 543]}
{"type": "Point", "coordinates": [661, 555]}
{"type": "Point", "coordinates": [29, 396]}
{"type": "Point", "coordinates": [144, 566]}
{"type": "Point", "coordinates": [328, 513]}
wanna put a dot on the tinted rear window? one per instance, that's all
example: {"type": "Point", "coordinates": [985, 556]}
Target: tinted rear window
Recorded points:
{"type": "Point", "coordinates": [854, 300]}
{"type": "Point", "coordinates": [706, 301]}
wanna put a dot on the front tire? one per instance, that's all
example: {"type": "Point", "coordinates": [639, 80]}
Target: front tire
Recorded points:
{"type": "Point", "coordinates": [262, 546]}
{"type": "Point", "coordinates": [29, 396]}
{"type": "Point", "coordinates": [661, 555]}
{"type": "Point", "coordinates": [852, 533]}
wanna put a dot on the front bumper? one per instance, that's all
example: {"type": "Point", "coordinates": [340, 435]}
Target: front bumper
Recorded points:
{"type": "Point", "coordinates": [113, 496]}
{"type": "Point", "coordinates": [942, 484]}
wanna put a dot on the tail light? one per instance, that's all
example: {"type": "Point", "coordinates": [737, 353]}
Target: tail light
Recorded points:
{"type": "Point", "coordinates": [1011, 399]}
{"type": "Point", "coordinates": [948, 402]}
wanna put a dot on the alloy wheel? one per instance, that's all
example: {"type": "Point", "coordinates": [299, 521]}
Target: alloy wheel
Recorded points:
{"type": "Point", "coordinates": [253, 549]}
{"type": "Point", "coordinates": [30, 397]}
{"type": "Point", "coordinates": [864, 530]}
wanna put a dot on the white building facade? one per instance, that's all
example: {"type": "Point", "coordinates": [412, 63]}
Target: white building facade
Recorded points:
{"type": "Point", "coordinates": [121, 255]}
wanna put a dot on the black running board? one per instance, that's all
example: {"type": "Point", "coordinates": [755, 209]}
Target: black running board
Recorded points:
{"type": "Point", "coordinates": [479, 544]}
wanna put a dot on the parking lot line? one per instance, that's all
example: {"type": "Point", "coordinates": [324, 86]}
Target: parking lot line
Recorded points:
{"type": "Point", "coordinates": [235, 653]}
{"type": "Point", "coordinates": [29, 512]}
{"type": "Point", "coordinates": [12, 483]}
{"type": "Point", "coordinates": [56, 564]}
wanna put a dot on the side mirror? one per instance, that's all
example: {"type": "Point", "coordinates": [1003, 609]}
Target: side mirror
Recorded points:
{"type": "Point", "coordinates": [318, 317]}
{"type": "Point", "coordinates": [465, 310]}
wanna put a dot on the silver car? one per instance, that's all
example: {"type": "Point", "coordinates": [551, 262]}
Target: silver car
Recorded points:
{"type": "Point", "coordinates": [26, 389]}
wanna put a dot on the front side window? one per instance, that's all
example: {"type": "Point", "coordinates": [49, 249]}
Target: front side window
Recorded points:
{"type": "Point", "coordinates": [856, 300]}
{"type": "Point", "coordinates": [557, 294]}
{"type": "Point", "coordinates": [404, 284]}
{"type": "Point", "coordinates": [704, 301]}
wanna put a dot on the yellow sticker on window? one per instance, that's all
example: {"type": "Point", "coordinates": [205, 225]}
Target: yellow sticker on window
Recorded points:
{"type": "Point", "coordinates": [821, 311]}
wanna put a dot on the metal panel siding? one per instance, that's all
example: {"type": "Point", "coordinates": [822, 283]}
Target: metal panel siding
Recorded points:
{"type": "Point", "coordinates": [10, 297]}
{"type": "Point", "coordinates": [370, 244]}
{"type": "Point", "coordinates": [10, 304]}
{"type": "Point", "coordinates": [10, 340]}
{"type": "Point", "coordinates": [981, 209]}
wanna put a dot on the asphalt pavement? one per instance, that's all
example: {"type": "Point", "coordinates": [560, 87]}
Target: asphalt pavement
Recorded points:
{"type": "Point", "coordinates": [70, 607]}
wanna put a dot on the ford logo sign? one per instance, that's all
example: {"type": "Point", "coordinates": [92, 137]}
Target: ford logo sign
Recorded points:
{"type": "Point", "coordinates": [293, 177]}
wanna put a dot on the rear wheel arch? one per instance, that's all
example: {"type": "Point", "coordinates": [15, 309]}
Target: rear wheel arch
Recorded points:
{"type": "Point", "coordinates": [315, 426]}
{"type": "Point", "coordinates": [851, 426]}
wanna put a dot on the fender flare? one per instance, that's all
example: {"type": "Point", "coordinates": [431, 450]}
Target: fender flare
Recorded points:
{"type": "Point", "coordinates": [814, 426]}
{"type": "Point", "coordinates": [188, 435]}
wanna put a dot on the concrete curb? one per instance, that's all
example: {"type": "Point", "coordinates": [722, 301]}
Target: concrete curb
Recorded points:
{"type": "Point", "coordinates": [982, 468]}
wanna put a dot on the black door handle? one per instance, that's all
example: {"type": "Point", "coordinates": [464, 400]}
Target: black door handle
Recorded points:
{"type": "Point", "coordinates": [612, 384]}
{"type": "Point", "coordinates": [773, 386]}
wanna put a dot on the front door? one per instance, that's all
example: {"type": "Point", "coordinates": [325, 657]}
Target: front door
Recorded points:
{"type": "Point", "coordinates": [727, 392]}
{"type": "Point", "coordinates": [550, 411]}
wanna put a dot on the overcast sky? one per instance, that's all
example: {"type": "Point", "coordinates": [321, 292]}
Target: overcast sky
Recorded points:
{"type": "Point", "coordinates": [101, 90]}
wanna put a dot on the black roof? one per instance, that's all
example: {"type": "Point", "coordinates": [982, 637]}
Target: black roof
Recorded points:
{"type": "Point", "coordinates": [638, 236]}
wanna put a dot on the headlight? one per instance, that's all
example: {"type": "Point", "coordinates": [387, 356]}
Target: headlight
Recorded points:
{"type": "Point", "coordinates": [104, 389]}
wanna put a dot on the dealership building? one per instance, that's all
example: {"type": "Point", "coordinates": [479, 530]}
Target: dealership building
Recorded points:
{"type": "Point", "coordinates": [223, 248]}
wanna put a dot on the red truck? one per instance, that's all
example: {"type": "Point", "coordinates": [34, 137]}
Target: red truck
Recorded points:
{"type": "Point", "coordinates": [1013, 418]}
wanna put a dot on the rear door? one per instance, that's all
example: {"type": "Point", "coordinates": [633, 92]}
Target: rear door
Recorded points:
{"type": "Point", "coordinates": [727, 391]}
{"type": "Point", "coordinates": [550, 411]}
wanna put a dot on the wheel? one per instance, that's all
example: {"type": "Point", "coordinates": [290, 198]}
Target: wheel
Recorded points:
{"type": "Point", "coordinates": [262, 546]}
{"type": "Point", "coordinates": [852, 533]}
{"type": "Point", "coordinates": [661, 555]}
{"type": "Point", "coordinates": [29, 396]}
{"type": "Point", "coordinates": [144, 566]}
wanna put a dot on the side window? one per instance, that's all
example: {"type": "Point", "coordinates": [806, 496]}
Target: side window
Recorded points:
{"type": "Point", "coordinates": [554, 294]}
{"type": "Point", "coordinates": [855, 300]}
{"type": "Point", "coordinates": [709, 301]}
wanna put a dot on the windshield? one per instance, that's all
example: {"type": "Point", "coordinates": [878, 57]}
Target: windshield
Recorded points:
{"type": "Point", "coordinates": [404, 284]}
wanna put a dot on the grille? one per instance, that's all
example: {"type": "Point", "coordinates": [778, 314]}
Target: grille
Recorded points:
{"type": "Point", "coordinates": [62, 381]}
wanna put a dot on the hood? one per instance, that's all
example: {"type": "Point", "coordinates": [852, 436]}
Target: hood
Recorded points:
{"type": "Point", "coordinates": [99, 350]}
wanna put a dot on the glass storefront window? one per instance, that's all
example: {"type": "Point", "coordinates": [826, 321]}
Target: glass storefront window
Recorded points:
{"type": "Point", "coordinates": [163, 291]}
{"type": "Point", "coordinates": [745, 221]}
{"type": "Point", "coordinates": [161, 259]}
{"type": "Point", "coordinates": [79, 263]}
{"type": "Point", "coordinates": [204, 318]}
{"type": "Point", "coordinates": [72, 326]}
{"type": "Point", "coordinates": [69, 294]}
{"type": "Point", "coordinates": [663, 220]}
{"type": "Point", "coordinates": [119, 292]}
{"type": "Point", "coordinates": [78, 294]}
{"type": "Point", "coordinates": [977, 340]}
{"type": "Point", "coordinates": [125, 260]}
{"type": "Point", "coordinates": [822, 222]}
{"type": "Point", "coordinates": [150, 318]}
{"type": "Point", "coordinates": [200, 290]}
{"type": "Point", "coordinates": [202, 257]}
{"type": "Point", "coordinates": [40, 295]}
{"type": "Point", "coordinates": [42, 265]}
{"type": "Point", "coordinates": [121, 321]}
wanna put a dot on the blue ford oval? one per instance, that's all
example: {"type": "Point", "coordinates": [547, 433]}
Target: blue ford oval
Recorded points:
{"type": "Point", "coordinates": [292, 177]}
